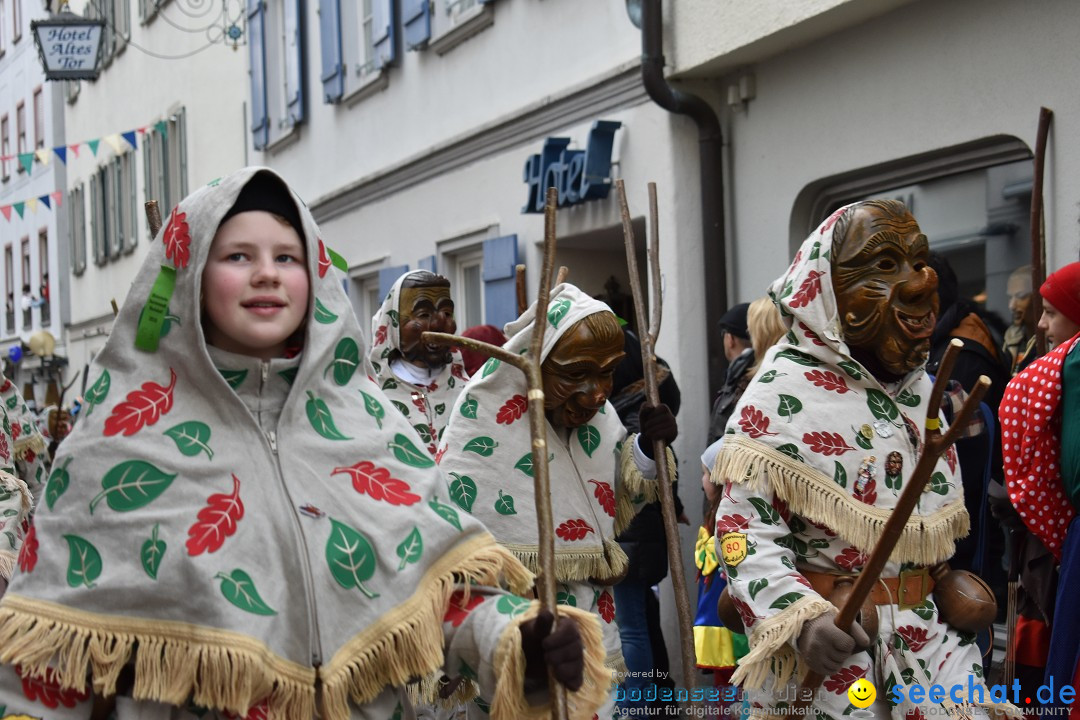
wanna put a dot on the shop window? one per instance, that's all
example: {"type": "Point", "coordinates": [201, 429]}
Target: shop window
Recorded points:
{"type": "Point", "coordinates": [357, 43]}
{"type": "Point", "coordinates": [973, 202]}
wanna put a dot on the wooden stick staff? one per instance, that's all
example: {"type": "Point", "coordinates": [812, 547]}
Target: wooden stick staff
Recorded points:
{"type": "Point", "coordinates": [530, 365]}
{"type": "Point", "coordinates": [934, 445]}
{"type": "Point", "coordinates": [648, 334]}
{"type": "Point", "coordinates": [1038, 248]}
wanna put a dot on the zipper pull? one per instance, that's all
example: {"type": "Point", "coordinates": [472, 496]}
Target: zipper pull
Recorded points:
{"type": "Point", "coordinates": [271, 436]}
{"type": "Point", "coordinates": [264, 369]}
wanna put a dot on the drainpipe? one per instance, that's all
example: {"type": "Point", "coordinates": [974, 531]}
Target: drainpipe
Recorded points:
{"type": "Point", "coordinates": [710, 139]}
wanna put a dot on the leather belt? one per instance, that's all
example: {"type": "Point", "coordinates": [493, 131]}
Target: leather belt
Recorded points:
{"type": "Point", "coordinates": [907, 591]}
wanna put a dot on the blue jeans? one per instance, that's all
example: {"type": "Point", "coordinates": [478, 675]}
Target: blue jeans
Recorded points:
{"type": "Point", "coordinates": [630, 598]}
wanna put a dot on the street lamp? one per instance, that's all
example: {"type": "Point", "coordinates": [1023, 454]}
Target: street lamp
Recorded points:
{"type": "Point", "coordinates": [69, 45]}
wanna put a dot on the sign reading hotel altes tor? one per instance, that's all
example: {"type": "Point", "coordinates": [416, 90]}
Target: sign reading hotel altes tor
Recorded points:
{"type": "Point", "coordinates": [69, 45]}
{"type": "Point", "coordinates": [579, 175]}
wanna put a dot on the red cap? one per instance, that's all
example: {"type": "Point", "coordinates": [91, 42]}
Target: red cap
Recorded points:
{"type": "Point", "coordinates": [1062, 290]}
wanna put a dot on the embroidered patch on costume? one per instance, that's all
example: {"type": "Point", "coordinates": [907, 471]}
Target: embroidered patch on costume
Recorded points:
{"type": "Point", "coordinates": [867, 471]}
{"type": "Point", "coordinates": [733, 548]}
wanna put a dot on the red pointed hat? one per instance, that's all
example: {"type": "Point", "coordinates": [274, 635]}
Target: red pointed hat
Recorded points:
{"type": "Point", "coordinates": [1062, 290]}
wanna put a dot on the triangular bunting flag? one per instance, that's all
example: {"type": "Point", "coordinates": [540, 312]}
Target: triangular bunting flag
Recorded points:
{"type": "Point", "coordinates": [58, 197]}
{"type": "Point", "coordinates": [144, 129]}
{"type": "Point", "coordinates": [32, 204]}
{"type": "Point", "coordinates": [114, 142]}
{"type": "Point", "coordinates": [74, 149]}
{"type": "Point", "coordinates": [162, 127]}
{"type": "Point", "coordinates": [130, 137]}
{"type": "Point", "coordinates": [6, 211]}
{"type": "Point", "coordinates": [19, 208]}
{"type": "Point", "coordinates": [44, 200]}
{"type": "Point", "coordinates": [42, 156]}
{"type": "Point", "coordinates": [93, 145]}
{"type": "Point", "coordinates": [61, 152]}
{"type": "Point", "coordinates": [27, 161]}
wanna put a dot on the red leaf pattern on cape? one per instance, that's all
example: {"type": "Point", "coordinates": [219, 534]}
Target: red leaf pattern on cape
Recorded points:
{"type": "Point", "coordinates": [950, 458]}
{"type": "Point", "coordinates": [259, 711]}
{"type": "Point", "coordinates": [142, 407]}
{"type": "Point", "coordinates": [16, 430]}
{"type": "Point", "coordinates": [438, 456]}
{"type": "Point", "coordinates": [5, 451]}
{"type": "Point", "coordinates": [828, 380]}
{"type": "Point", "coordinates": [747, 615]}
{"type": "Point", "coordinates": [753, 422]}
{"type": "Point", "coordinates": [841, 680]}
{"type": "Point", "coordinates": [915, 637]}
{"type": "Point", "coordinates": [216, 522]}
{"type": "Point", "coordinates": [6, 386]}
{"type": "Point", "coordinates": [914, 714]}
{"type": "Point", "coordinates": [377, 483]}
{"type": "Point", "coordinates": [458, 609]}
{"type": "Point", "coordinates": [731, 523]}
{"type": "Point", "coordinates": [809, 289]}
{"type": "Point", "coordinates": [28, 551]}
{"type": "Point", "coordinates": [324, 259]}
{"type": "Point", "coordinates": [869, 493]}
{"type": "Point", "coordinates": [801, 580]}
{"type": "Point", "coordinates": [380, 335]}
{"type": "Point", "coordinates": [826, 443]}
{"type": "Point", "coordinates": [177, 238]}
{"type": "Point", "coordinates": [811, 335]}
{"type": "Point", "coordinates": [574, 529]}
{"type": "Point", "coordinates": [605, 495]}
{"type": "Point", "coordinates": [47, 691]}
{"type": "Point", "coordinates": [457, 370]}
{"type": "Point", "coordinates": [781, 507]}
{"type": "Point", "coordinates": [418, 401]}
{"type": "Point", "coordinates": [832, 220]}
{"type": "Point", "coordinates": [606, 606]}
{"type": "Point", "coordinates": [512, 410]}
{"type": "Point", "coordinates": [850, 559]}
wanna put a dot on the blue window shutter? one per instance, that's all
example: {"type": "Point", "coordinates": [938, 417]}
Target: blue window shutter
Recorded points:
{"type": "Point", "coordinates": [500, 292]}
{"type": "Point", "coordinates": [485, 2]}
{"type": "Point", "coordinates": [383, 33]}
{"type": "Point", "coordinates": [260, 119]}
{"type": "Point", "coordinates": [333, 74]}
{"type": "Point", "coordinates": [426, 263]}
{"type": "Point", "coordinates": [388, 276]}
{"type": "Point", "coordinates": [416, 19]}
{"type": "Point", "coordinates": [294, 103]}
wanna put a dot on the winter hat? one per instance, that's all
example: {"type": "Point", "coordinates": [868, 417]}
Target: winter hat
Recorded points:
{"type": "Point", "coordinates": [734, 321]}
{"type": "Point", "coordinates": [1062, 290]}
{"type": "Point", "coordinates": [265, 192]}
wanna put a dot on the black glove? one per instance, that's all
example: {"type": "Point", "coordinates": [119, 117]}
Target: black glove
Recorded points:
{"type": "Point", "coordinates": [561, 650]}
{"type": "Point", "coordinates": [656, 423]}
{"type": "Point", "coordinates": [1003, 511]}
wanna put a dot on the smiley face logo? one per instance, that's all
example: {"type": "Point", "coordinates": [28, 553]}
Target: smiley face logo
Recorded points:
{"type": "Point", "coordinates": [862, 693]}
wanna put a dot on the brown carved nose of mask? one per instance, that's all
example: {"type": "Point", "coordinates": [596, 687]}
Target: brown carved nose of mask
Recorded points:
{"type": "Point", "coordinates": [920, 288]}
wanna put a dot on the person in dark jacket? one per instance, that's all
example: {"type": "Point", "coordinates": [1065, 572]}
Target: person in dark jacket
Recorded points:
{"type": "Point", "coordinates": [740, 357]}
{"type": "Point", "coordinates": [637, 609]}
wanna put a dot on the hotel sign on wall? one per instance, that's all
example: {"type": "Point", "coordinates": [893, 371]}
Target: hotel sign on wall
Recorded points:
{"type": "Point", "coordinates": [579, 175]}
{"type": "Point", "coordinates": [69, 45]}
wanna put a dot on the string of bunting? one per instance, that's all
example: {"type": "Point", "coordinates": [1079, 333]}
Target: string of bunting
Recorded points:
{"type": "Point", "coordinates": [115, 140]}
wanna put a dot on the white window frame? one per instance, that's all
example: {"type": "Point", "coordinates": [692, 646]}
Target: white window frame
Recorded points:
{"type": "Point", "coordinates": [363, 279]}
{"type": "Point", "coordinates": [455, 21]}
{"type": "Point", "coordinates": [77, 218]}
{"type": "Point", "coordinates": [165, 166]}
{"type": "Point", "coordinates": [460, 262]}
{"type": "Point", "coordinates": [362, 78]}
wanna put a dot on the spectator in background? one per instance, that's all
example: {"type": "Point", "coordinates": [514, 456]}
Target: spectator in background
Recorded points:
{"type": "Point", "coordinates": [637, 608]}
{"type": "Point", "coordinates": [484, 333]}
{"type": "Point", "coordinates": [740, 356]}
{"type": "Point", "coordinates": [1019, 344]}
{"type": "Point", "coordinates": [1040, 417]}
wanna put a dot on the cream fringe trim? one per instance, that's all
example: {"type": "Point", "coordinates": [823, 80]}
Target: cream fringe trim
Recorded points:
{"type": "Point", "coordinates": [770, 649]}
{"type": "Point", "coordinates": [634, 484]}
{"type": "Point", "coordinates": [616, 663]}
{"type": "Point", "coordinates": [407, 641]}
{"type": "Point", "coordinates": [509, 700]}
{"type": "Point", "coordinates": [216, 668]}
{"type": "Point", "coordinates": [34, 441]}
{"type": "Point", "coordinates": [426, 692]}
{"type": "Point", "coordinates": [926, 539]}
{"type": "Point", "coordinates": [11, 483]}
{"type": "Point", "coordinates": [571, 564]}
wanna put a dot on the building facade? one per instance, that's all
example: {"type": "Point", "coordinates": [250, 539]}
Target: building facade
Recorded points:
{"type": "Point", "coordinates": [32, 223]}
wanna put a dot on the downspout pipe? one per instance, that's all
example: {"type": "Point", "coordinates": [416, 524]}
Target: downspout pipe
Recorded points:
{"type": "Point", "coordinates": [710, 146]}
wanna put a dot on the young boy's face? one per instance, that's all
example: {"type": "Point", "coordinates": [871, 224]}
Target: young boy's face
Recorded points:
{"type": "Point", "coordinates": [1058, 328]}
{"type": "Point", "coordinates": [255, 285]}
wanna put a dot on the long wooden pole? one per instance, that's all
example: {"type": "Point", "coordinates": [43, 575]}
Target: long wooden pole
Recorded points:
{"type": "Point", "coordinates": [934, 444]}
{"type": "Point", "coordinates": [648, 333]}
{"type": "Point", "coordinates": [1038, 249]}
{"type": "Point", "coordinates": [530, 365]}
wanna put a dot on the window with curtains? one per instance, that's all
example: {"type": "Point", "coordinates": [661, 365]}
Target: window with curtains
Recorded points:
{"type": "Point", "coordinates": [76, 208]}
{"type": "Point", "coordinates": [358, 43]}
{"type": "Point", "coordinates": [113, 214]}
{"type": "Point", "coordinates": [165, 161]}
{"type": "Point", "coordinates": [276, 61]}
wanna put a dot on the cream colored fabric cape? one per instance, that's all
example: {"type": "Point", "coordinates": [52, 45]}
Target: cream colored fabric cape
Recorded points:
{"type": "Point", "coordinates": [224, 563]}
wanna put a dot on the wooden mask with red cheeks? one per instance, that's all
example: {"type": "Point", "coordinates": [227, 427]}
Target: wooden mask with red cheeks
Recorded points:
{"type": "Point", "coordinates": [424, 304]}
{"type": "Point", "coordinates": [886, 292]}
{"type": "Point", "coordinates": [578, 372]}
